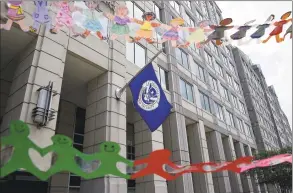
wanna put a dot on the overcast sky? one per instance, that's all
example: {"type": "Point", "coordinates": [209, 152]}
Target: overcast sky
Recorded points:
{"type": "Point", "coordinates": [274, 59]}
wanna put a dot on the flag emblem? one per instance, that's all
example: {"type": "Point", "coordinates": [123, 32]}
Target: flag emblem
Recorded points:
{"type": "Point", "coordinates": [149, 96]}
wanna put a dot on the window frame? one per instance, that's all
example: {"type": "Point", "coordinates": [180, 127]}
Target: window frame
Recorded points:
{"type": "Point", "coordinates": [219, 108]}
{"type": "Point", "coordinates": [166, 85]}
{"type": "Point", "coordinates": [182, 61]}
{"type": "Point", "coordinates": [203, 102]}
{"type": "Point", "coordinates": [181, 80]}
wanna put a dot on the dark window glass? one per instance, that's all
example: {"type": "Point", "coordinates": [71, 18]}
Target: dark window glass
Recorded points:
{"type": "Point", "coordinates": [74, 181]}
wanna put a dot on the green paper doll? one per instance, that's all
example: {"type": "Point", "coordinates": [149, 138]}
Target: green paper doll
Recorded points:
{"type": "Point", "coordinates": [20, 158]}
{"type": "Point", "coordinates": [62, 146]}
{"type": "Point", "coordinates": [109, 157]}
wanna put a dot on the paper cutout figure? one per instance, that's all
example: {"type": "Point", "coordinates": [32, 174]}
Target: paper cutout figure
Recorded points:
{"type": "Point", "coordinates": [146, 29]}
{"type": "Point", "coordinates": [109, 157]}
{"type": "Point", "coordinates": [62, 147]}
{"type": "Point", "coordinates": [121, 19]}
{"type": "Point", "coordinates": [15, 14]}
{"type": "Point", "coordinates": [91, 21]}
{"type": "Point", "coordinates": [261, 29]}
{"type": "Point", "coordinates": [241, 33]}
{"type": "Point", "coordinates": [198, 34]}
{"type": "Point", "coordinates": [219, 32]}
{"type": "Point", "coordinates": [63, 17]}
{"type": "Point", "coordinates": [41, 16]}
{"type": "Point", "coordinates": [288, 31]}
{"type": "Point", "coordinates": [279, 28]}
{"type": "Point", "coordinates": [18, 138]}
{"type": "Point", "coordinates": [274, 160]}
{"type": "Point", "coordinates": [155, 163]}
{"type": "Point", "coordinates": [173, 31]}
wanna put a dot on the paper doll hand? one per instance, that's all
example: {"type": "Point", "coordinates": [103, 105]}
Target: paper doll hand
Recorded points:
{"type": "Point", "coordinates": [137, 21]}
{"type": "Point", "coordinates": [156, 24]}
{"type": "Point", "coordinates": [141, 161]}
{"type": "Point", "coordinates": [174, 165]}
{"type": "Point", "coordinates": [46, 150]}
{"type": "Point", "coordinates": [164, 26]}
{"type": "Point", "coordinates": [87, 157]}
{"type": "Point", "coordinates": [208, 30]}
{"type": "Point", "coordinates": [128, 162]}
{"type": "Point", "coordinates": [40, 150]}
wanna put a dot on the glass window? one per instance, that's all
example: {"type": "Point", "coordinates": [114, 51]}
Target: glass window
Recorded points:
{"type": "Point", "coordinates": [200, 73]}
{"type": "Point", "coordinates": [136, 54]}
{"type": "Point", "coordinates": [214, 83]}
{"type": "Point", "coordinates": [182, 57]}
{"type": "Point", "coordinates": [186, 90]}
{"type": "Point", "coordinates": [188, 3]}
{"type": "Point", "coordinates": [157, 11]}
{"type": "Point", "coordinates": [232, 67]}
{"type": "Point", "coordinates": [225, 92]}
{"type": "Point", "coordinates": [240, 125]}
{"type": "Point", "coordinates": [209, 59]}
{"type": "Point", "coordinates": [242, 107]}
{"type": "Point", "coordinates": [237, 87]}
{"type": "Point", "coordinates": [175, 5]}
{"type": "Point", "coordinates": [230, 119]}
{"type": "Point", "coordinates": [230, 79]}
{"type": "Point", "coordinates": [205, 102]}
{"type": "Point", "coordinates": [219, 69]}
{"type": "Point", "coordinates": [163, 78]}
{"type": "Point", "coordinates": [225, 60]}
{"type": "Point", "coordinates": [235, 101]}
{"type": "Point", "coordinates": [219, 111]}
{"type": "Point", "coordinates": [188, 20]}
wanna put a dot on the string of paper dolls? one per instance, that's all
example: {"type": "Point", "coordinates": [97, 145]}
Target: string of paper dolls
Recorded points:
{"type": "Point", "coordinates": [85, 16]}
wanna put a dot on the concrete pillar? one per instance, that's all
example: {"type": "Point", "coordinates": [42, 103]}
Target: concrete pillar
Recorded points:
{"type": "Point", "coordinates": [216, 153]}
{"type": "Point", "coordinates": [229, 150]}
{"type": "Point", "coordinates": [40, 62]}
{"type": "Point", "coordinates": [105, 121]}
{"type": "Point", "coordinates": [198, 149]}
{"type": "Point", "coordinates": [253, 178]}
{"type": "Point", "coordinates": [175, 139]}
{"type": "Point", "coordinates": [263, 188]}
{"type": "Point", "coordinates": [145, 143]}
{"type": "Point", "coordinates": [245, 178]}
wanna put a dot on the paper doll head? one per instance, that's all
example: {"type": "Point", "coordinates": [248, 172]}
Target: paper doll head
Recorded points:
{"type": "Point", "coordinates": [226, 21]}
{"type": "Point", "coordinates": [177, 21]}
{"type": "Point", "coordinates": [91, 4]}
{"type": "Point", "coordinates": [286, 15]}
{"type": "Point", "coordinates": [110, 147]}
{"type": "Point", "coordinates": [121, 10]}
{"type": "Point", "coordinates": [149, 16]}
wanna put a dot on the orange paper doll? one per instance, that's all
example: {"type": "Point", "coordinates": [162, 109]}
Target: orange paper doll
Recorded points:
{"type": "Point", "coordinates": [155, 162]}
{"type": "Point", "coordinates": [146, 29]}
{"type": "Point", "coordinates": [279, 28]}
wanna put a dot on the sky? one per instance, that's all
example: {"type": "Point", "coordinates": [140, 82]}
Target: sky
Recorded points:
{"type": "Point", "coordinates": [274, 59]}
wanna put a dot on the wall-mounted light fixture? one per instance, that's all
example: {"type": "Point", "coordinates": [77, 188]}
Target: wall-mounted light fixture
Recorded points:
{"type": "Point", "coordinates": [43, 113]}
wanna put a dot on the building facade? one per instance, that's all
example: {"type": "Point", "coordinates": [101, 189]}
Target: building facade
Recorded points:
{"type": "Point", "coordinates": [210, 120]}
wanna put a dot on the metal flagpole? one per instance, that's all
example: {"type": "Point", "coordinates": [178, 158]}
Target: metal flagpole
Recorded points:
{"type": "Point", "coordinates": [119, 92]}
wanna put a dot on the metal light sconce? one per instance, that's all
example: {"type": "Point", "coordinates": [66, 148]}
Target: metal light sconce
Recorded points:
{"type": "Point", "coordinates": [43, 113]}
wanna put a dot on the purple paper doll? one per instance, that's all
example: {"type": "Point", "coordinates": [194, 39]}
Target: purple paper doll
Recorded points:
{"type": "Point", "coordinates": [41, 16]}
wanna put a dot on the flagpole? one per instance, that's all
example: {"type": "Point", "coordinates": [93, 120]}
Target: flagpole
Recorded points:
{"type": "Point", "coordinates": [119, 92]}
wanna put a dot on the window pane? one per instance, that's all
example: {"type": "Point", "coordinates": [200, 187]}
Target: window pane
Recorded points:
{"type": "Point", "coordinates": [184, 59]}
{"type": "Point", "coordinates": [74, 181]}
{"type": "Point", "coordinates": [137, 12]}
{"type": "Point", "coordinates": [129, 5]}
{"type": "Point", "coordinates": [178, 55]}
{"type": "Point", "coordinates": [202, 100]}
{"type": "Point", "coordinates": [163, 78]}
{"type": "Point", "coordinates": [157, 12]}
{"type": "Point", "coordinates": [78, 138]}
{"type": "Point", "coordinates": [130, 52]}
{"type": "Point", "coordinates": [189, 92]}
{"type": "Point", "coordinates": [183, 89]}
{"type": "Point", "coordinates": [207, 103]}
{"type": "Point", "coordinates": [139, 55]}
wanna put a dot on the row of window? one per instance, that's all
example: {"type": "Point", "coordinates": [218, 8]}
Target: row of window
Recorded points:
{"type": "Point", "coordinates": [206, 103]}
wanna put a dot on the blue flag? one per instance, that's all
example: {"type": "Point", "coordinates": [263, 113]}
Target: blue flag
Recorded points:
{"type": "Point", "coordinates": [149, 98]}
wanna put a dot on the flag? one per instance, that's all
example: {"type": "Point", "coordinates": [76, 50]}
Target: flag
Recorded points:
{"type": "Point", "coordinates": [149, 98]}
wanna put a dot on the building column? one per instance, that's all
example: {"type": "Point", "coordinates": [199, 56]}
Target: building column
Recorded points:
{"type": "Point", "coordinates": [40, 62]}
{"type": "Point", "coordinates": [216, 153]}
{"type": "Point", "coordinates": [175, 139]}
{"type": "Point", "coordinates": [105, 121]}
{"type": "Point", "coordinates": [202, 183]}
{"type": "Point", "coordinates": [263, 188]}
{"type": "Point", "coordinates": [235, 179]}
{"type": "Point", "coordinates": [254, 179]}
{"type": "Point", "coordinates": [245, 178]}
{"type": "Point", "coordinates": [145, 143]}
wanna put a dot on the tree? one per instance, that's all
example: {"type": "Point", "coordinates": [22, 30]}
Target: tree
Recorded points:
{"type": "Point", "coordinates": [280, 175]}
